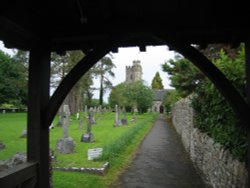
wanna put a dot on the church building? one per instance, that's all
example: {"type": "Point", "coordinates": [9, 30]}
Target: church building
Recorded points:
{"type": "Point", "coordinates": [133, 74]}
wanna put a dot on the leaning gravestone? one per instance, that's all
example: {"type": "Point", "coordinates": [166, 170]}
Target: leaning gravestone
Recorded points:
{"type": "Point", "coordinates": [88, 136]}
{"type": "Point", "coordinates": [65, 144]}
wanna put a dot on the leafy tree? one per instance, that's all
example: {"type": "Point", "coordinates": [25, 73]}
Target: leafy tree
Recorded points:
{"type": "Point", "coordinates": [117, 96]}
{"type": "Point", "coordinates": [184, 76]}
{"type": "Point", "coordinates": [157, 82]}
{"type": "Point", "coordinates": [213, 114]}
{"type": "Point", "coordinates": [103, 69]}
{"type": "Point", "coordinates": [131, 95]}
{"type": "Point", "coordinates": [13, 81]}
{"type": "Point", "coordinates": [170, 98]}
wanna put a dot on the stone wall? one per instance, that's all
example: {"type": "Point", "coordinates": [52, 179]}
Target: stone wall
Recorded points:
{"type": "Point", "coordinates": [216, 165]}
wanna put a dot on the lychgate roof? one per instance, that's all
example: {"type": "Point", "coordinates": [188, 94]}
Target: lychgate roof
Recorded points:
{"type": "Point", "coordinates": [72, 24]}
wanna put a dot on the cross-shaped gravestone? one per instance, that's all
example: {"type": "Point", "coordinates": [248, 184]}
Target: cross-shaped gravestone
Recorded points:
{"type": "Point", "coordinates": [65, 144]}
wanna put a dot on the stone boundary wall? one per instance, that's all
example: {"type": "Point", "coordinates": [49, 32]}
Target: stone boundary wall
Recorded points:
{"type": "Point", "coordinates": [216, 165]}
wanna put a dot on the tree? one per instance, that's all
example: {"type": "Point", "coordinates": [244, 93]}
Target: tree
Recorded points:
{"type": "Point", "coordinates": [103, 69]}
{"type": "Point", "coordinates": [157, 82]}
{"type": "Point", "coordinates": [82, 91]}
{"type": "Point", "coordinates": [13, 81]}
{"type": "Point", "coordinates": [184, 75]}
{"type": "Point", "coordinates": [132, 95]}
{"type": "Point", "coordinates": [117, 96]}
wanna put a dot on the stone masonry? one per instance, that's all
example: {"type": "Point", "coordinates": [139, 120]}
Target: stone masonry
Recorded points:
{"type": "Point", "coordinates": [217, 166]}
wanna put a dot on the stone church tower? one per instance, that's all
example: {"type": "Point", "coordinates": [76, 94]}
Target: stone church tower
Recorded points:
{"type": "Point", "coordinates": [134, 72]}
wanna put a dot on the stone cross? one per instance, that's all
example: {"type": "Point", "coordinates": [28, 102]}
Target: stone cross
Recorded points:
{"type": "Point", "coordinates": [65, 120]}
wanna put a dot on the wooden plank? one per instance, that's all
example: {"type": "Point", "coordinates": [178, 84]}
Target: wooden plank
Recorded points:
{"type": "Point", "coordinates": [18, 175]}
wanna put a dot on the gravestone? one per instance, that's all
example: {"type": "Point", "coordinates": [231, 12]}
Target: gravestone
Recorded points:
{"type": "Point", "coordinates": [4, 111]}
{"type": "Point", "coordinates": [80, 124]}
{"type": "Point", "coordinates": [124, 119]}
{"type": "Point", "coordinates": [116, 123]}
{"type": "Point", "coordinates": [77, 116]}
{"type": "Point", "coordinates": [24, 133]}
{"type": "Point", "coordinates": [94, 153]}
{"type": "Point", "coordinates": [65, 144]}
{"type": "Point", "coordinates": [88, 136]}
{"type": "Point", "coordinates": [2, 146]}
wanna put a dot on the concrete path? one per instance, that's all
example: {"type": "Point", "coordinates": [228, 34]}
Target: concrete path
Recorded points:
{"type": "Point", "coordinates": [161, 162]}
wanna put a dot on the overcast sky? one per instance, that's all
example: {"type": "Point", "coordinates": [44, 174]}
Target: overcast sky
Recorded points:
{"type": "Point", "coordinates": [151, 62]}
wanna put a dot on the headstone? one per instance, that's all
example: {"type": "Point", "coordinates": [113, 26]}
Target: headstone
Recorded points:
{"type": "Point", "coordinates": [77, 116]}
{"type": "Point", "coordinates": [4, 111]}
{"type": "Point", "coordinates": [24, 133]}
{"type": "Point", "coordinates": [116, 123]}
{"type": "Point", "coordinates": [124, 119]}
{"type": "Point", "coordinates": [80, 124]}
{"type": "Point", "coordinates": [65, 144]}
{"type": "Point", "coordinates": [88, 136]}
{"type": "Point", "coordinates": [94, 153]}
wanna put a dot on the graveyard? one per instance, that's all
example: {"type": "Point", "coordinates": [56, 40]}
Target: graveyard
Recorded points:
{"type": "Point", "coordinates": [118, 143]}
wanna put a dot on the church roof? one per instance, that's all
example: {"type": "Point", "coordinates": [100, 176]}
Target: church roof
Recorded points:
{"type": "Point", "coordinates": [159, 94]}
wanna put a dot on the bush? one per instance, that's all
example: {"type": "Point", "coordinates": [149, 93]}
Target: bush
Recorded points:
{"type": "Point", "coordinates": [213, 113]}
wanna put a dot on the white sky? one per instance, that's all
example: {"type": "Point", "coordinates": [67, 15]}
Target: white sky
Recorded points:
{"type": "Point", "coordinates": [151, 62]}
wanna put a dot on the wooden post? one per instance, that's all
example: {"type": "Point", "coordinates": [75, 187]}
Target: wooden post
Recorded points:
{"type": "Point", "coordinates": [38, 133]}
{"type": "Point", "coordinates": [247, 56]}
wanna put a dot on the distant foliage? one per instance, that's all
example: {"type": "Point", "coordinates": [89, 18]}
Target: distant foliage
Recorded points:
{"type": "Point", "coordinates": [131, 95]}
{"type": "Point", "coordinates": [213, 114]}
{"type": "Point", "coordinates": [13, 81]}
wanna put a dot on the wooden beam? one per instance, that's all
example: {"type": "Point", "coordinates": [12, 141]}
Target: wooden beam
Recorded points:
{"type": "Point", "coordinates": [77, 72]}
{"type": "Point", "coordinates": [15, 177]}
{"type": "Point", "coordinates": [38, 134]}
{"type": "Point", "coordinates": [247, 56]}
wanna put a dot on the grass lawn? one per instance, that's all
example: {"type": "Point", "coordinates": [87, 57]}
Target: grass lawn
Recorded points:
{"type": "Point", "coordinates": [119, 145]}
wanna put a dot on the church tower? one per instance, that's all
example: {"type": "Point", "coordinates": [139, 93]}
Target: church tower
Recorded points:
{"type": "Point", "coordinates": [134, 72]}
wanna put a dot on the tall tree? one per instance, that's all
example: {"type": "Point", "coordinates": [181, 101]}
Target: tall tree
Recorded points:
{"type": "Point", "coordinates": [103, 70]}
{"type": "Point", "coordinates": [61, 65]}
{"type": "Point", "coordinates": [13, 81]}
{"type": "Point", "coordinates": [157, 82]}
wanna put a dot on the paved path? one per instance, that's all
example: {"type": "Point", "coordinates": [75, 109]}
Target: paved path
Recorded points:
{"type": "Point", "coordinates": [161, 162]}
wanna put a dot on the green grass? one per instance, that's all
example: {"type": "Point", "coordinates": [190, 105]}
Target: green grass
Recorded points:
{"type": "Point", "coordinates": [119, 145]}
{"type": "Point", "coordinates": [11, 127]}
